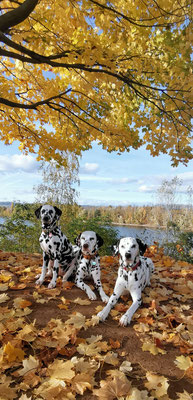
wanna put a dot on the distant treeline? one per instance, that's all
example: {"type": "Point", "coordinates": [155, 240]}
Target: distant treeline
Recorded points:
{"type": "Point", "coordinates": [154, 216]}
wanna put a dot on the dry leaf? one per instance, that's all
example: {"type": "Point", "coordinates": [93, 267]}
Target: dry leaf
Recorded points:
{"type": "Point", "coordinates": [125, 367]}
{"type": "Point", "coordinates": [81, 382]}
{"type": "Point", "coordinates": [115, 344]}
{"type": "Point", "coordinates": [157, 383]}
{"type": "Point", "coordinates": [185, 396]}
{"type": "Point", "coordinates": [82, 302]}
{"type": "Point", "coordinates": [4, 297]}
{"type": "Point", "coordinates": [61, 370]}
{"type": "Point", "coordinates": [29, 364]}
{"type": "Point", "coordinates": [152, 348]}
{"type": "Point", "coordinates": [21, 303]}
{"type": "Point", "coordinates": [183, 362]}
{"type": "Point", "coordinates": [111, 390]}
{"type": "Point", "coordinates": [13, 353]}
{"type": "Point", "coordinates": [3, 287]}
{"type": "Point", "coordinates": [7, 392]}
{"type": "Point", "coordinates": [78, 320]}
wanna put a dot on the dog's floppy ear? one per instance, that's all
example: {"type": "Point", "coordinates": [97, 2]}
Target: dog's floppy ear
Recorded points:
{"type": "Point", "coordinates": [37, 212]}
{"type": "Point", "coordinates": [58, 212]}
{"type": "Point", "coordinates": [99, 240]}
{"type": "Point", "coordinates": [77, 239]}
{"type": "Point", "coordinates": [115, 248]}
{"type": "Point", "coordinates": [142, 247]}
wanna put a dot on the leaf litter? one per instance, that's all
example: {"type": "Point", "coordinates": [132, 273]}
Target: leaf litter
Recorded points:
{"type": "Point", "coordinates": [53, 346]}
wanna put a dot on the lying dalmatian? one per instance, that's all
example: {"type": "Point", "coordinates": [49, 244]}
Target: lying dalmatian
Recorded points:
{"type": "Point", "coordinates": [58, 252]}
{"type": "Point", "coordinates": [133, 276]}
{"type": "Point", "coordinates": [88, 264]}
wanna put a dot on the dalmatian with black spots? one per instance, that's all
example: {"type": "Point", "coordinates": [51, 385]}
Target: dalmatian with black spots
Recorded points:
{"type": "Point", "coordinates": [58, 252]}
{"type": "Point", "coordinates": [133, 276]}
{"type": "Point", "coordinates": [88, 264]}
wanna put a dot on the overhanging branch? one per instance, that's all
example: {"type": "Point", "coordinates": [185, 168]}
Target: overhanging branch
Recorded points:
{"type": "Point", "coordinates": [18, 15]}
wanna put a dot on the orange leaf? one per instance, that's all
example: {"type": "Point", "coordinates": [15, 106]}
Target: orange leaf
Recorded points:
{"type": "Point", "coordinates": [19, 286]}
{"type": "Point", "coordinates": [68, 285]}
{"type": "Point", "coordinates": [115, 344]}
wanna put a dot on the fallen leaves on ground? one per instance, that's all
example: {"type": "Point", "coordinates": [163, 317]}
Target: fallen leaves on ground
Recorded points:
{"type": "Point", "coordinates": [53, 347]}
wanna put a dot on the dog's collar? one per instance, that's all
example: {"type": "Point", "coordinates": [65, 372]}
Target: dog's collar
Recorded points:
{"type": "Point", "coordinates": [50, 230]}
{"type": "Point", "coordinates": [132, 267]}
{"type": "Point", "coordinates": [90, 256]}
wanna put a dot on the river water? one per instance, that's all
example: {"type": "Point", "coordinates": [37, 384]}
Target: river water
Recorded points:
{"type": "Point", "coordinates": [148, 235]}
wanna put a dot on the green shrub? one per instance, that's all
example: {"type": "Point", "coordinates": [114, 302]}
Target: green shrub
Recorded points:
{"type": "Point", "coordinates": [181, 246]}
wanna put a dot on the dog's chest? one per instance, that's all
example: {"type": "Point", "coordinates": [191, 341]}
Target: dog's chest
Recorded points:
{"type": "Point", "coordinates": [134, 278]}
{"type": "Point", "coordinates": [51, 243]}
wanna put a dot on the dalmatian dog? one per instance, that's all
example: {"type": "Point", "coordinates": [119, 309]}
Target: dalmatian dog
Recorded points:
{"type": "Point", "coordinates": [133, 276]}
{"type": "Point", "coordinates": [88, 264]}
{"type": "Point", "coordinates": [58, 252]}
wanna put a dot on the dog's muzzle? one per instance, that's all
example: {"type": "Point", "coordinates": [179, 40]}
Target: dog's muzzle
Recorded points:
{"type": "Point", "coordinates": [128, 255]}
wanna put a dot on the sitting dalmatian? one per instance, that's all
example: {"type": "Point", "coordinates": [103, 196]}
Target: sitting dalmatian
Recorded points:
{"type": "Point", "coordinates": [58, 252]}
{"type": "Point", "coordinates": [88, 264]}
{"type": "Point", "coordinates": [133, 276]}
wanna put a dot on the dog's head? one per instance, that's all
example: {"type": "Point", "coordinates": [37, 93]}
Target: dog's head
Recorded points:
{"type": "Point", "coordinates": [48, 215]}
{"type": "Point", "coordinates": [129, 250]}
{"type": "Point", "coordinates": [89, 242]}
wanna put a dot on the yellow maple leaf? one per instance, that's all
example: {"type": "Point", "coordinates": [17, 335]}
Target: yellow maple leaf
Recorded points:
{"type": "Point", "coordinates": [60, 369]}
{"type": "Point", "coordinates": [13, 353]}
{"type": "Point", "coordinates": [113, 389]}
{"type": "Point", "coordinates": [4, 297]}
{"type": "Point", "coordinates": [29, 364]}
{"type": "Point", "coordinates": [152, 348]}
{"type": "Point", "coordinates": [183, 362]}
{"type": "Point", "coordinates": [78, 320]}
{"type": "Point", "coordinates": [93, 321]}
{"type": "Point", "coordinates": [81, 382]}
{"type": "Point", "coordinates": [3, 287]}
{"type": "Point", "coordinates": [157, 383]}
{"type": "Point", "coordinates": [185, 396]}
{"type": "Point", "coordinates": [82, 302]}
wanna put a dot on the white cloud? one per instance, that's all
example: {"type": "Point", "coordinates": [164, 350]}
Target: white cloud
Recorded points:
{"type": "Point", "coordinates": [15, 162]}
{"type": "Point", "coordinates": [147, 189]}
{"type": "Point", "coordinates": [89, 168]}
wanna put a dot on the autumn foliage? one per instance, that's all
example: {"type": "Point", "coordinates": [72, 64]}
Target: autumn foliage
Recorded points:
{"type": "Point", "coordinates": [53, 346]}
{"type": "Point", "coordinates": [74, 72]}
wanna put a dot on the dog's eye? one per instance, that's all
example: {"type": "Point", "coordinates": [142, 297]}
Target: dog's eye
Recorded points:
{"type": "Point", "coordinates": [123, 247]}
{"type": "Point", "coordinates": [91, 238]}
{"type": "Point", "coordinates": [134, 245]}
{"type": "Point", "coordinates": [83, 238]}
{"type": "Point", "coordinates": [50, 212]}
{"type": "Point", "coordinates": [43, 211]}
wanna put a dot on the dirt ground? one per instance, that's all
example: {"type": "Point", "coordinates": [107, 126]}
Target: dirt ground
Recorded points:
{"type": "Point", "coordinates": [165, 318]}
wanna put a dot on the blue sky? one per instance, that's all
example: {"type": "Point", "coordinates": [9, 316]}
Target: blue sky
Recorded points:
{"type": "Point", "coordinates": [105, 178]}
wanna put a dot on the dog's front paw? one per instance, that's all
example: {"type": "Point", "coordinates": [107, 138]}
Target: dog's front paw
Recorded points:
{"type": "Point", "coordinates": [124, 321]}
{"type": "Point", "coordinates": [102, 315]}
{"type": "Point", "coordinates": [51, 285]}
{"type": "Point", "coordinates": [91, 295]}
{"type": "Point", "coordinates": [39, 282]}
{"type": "Point", "coordinates": [105, 298]}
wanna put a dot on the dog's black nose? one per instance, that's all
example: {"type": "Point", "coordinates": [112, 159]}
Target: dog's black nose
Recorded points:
{"type": "Point", "coordinates": [85, 246]}
{"type": "Point", "coordinates": [128, 255]}
{"type": "Point", "coordinates": [46, 218]}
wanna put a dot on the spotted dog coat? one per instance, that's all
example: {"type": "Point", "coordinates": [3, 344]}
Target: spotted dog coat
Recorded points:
{"type": "Point", "coordinates": [88, 264]}
{"type": "Point", "coordinates": [57, 250]}
{"type": "Point", "coordinates": [133, 276]}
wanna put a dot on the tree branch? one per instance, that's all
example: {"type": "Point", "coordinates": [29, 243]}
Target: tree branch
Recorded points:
{"type": "Point", "coordinates": [18, 15]}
